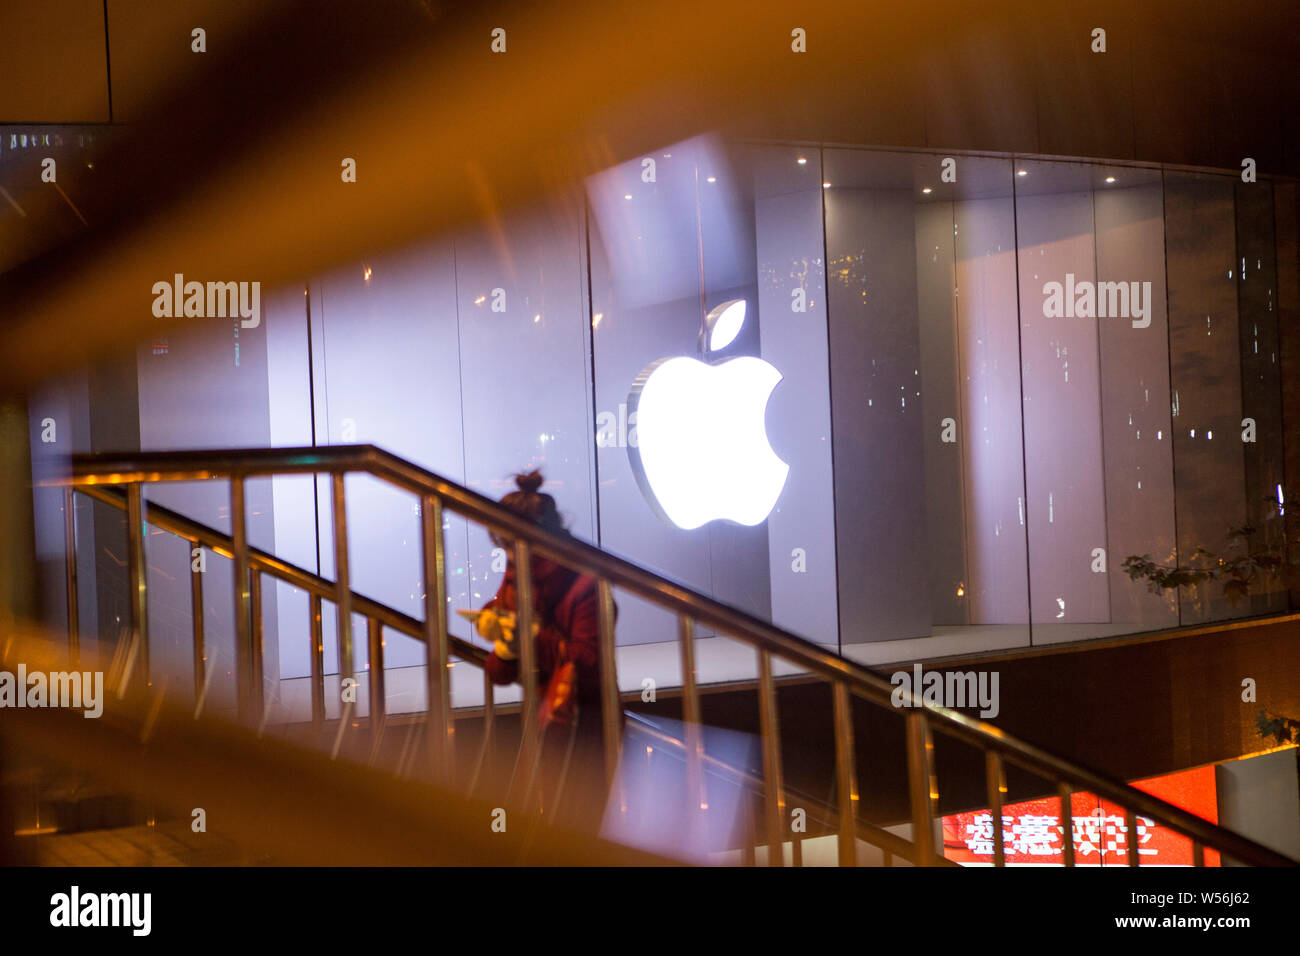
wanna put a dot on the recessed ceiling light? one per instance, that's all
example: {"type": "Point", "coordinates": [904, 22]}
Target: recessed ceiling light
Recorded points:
{"type": "Point", "coordinates": [826, 185]}
{"type": "Point", "coordinates": [1022, 172]}
{"type": "Point", "coordinates": [801, 161]}
{"type": "Point", "coordinates": [712, 179]}
{"type": "Point", "coordinates": [627, 195]}
{"type": "Point", "coordinates": [1110, 179]}
{"type": "Point", "coordinates": [927, 190]}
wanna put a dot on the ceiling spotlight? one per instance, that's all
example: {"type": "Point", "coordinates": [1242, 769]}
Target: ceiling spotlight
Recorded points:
{"type": "Point", "coordinates": [712, 179]}
{"type": "Point", "coordinates": [927, 190]}
{"type": "Point", "coordinates": [826, 185]}
{"type": "Point", "coordinates": [1022, 172]}
{"type": "Point", "coordinates": [802, 161]}
{"type": "Point", "coordinates": [1110, 179]}
{"type": "Point", "coordinates": [627, 195]}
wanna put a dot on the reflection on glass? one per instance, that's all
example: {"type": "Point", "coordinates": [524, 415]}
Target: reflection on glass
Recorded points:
{"type": "Point", "coordinates": [1204, 337]}
{"type": "Point", "coordinates": [926, 396]}
{"type": "Point", "coordinates": [1097, 424]}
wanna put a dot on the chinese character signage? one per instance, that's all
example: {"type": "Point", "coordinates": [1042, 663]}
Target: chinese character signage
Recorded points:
{"type": "Point", "coordinates": [1032, 831]}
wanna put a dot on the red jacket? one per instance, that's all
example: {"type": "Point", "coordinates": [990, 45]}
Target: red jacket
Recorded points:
{"type": "Point", "coordinates": [565, 605]}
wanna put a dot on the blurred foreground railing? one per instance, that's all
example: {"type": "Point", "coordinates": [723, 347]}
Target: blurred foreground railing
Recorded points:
{"type": "Point", "coordinates": [119, 479]}
{"type": "Point", "coordinates": [273, 798]}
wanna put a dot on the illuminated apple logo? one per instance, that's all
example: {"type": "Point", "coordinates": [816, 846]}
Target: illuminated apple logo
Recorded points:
{"type": "Point", "coordinates": [702, 452]}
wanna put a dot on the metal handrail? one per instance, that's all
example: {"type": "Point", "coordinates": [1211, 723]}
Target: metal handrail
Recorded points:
{"type": "Point", "coordinates": [312, 583]}
{"type": "Point", "coordinates": [436, 493]}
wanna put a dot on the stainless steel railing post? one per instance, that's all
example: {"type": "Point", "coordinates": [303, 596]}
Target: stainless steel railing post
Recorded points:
{"type": "Point", "coordinates": [378, 705]}
{"type": "Point", "coordinates": [197, 621]}
{"type": "Point", "coordinates": [773, 785]}
{"type": "Point", "coordinates": [317, 664]}
{"type": "Point", "coordinates": [995, 780]}
{"type": "Point", "coordinates": [1065, 793]}
{"type": "Point", "coordinates": [1130, 822]}
{"type": "Point", "coordinates": [439, 732]}
{"type": "Point", "coordinates": [921, 786]}
{"type": "Point", "coordinates": [342, 584]}
{"type": "Point", "coordinates": [846, 782]}
{"type": "Point", "coordinates": [243, 600]}
{"type": "Point", "coordinates": [609, 692]}
{"type": "Point", "coordinates": [256, 657]}
{"type": "Point", "coordinates": [529, 755]}
{"type": "Point", "coordinates": [697, 797]}
{"type": "Point", "coordinates": [70, 572]}
{"type": "Point", "coordinates": [135, 561]}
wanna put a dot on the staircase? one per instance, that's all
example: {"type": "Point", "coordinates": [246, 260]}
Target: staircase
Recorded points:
{"type": "Point", "coordinates": [429, 748]}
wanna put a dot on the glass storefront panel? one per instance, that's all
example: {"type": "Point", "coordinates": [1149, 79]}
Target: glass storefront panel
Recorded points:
{"type": "Point", "coordinates": [1136, 428]}
{"type": "Point", "coordinates": [1095, 366]}
{"type": "Point", "coordinates": [792, 307]}
{"type": "Point", "coordinates": [1205, 363]}
{"type": "Point", "coordinates": [926, 396]}
{"type": "Point", "coordinates": [1261, 385]}
{"type": "Point", "coordinates": [647, 291]}
{"type": "Point", "coordinates": [987, 387]}
{"type": "Point", "coordinates": [525, 370]}
{"type": "Point", "coordinates": [705, 226]}
{"type": "Point", "coordinates": [1065, 499]}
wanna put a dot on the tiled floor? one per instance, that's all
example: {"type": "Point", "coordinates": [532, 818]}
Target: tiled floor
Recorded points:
{"type": "Point", "coordinates": [169, 844]}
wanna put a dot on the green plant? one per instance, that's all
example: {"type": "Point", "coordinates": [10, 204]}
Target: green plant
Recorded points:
{"type": "Point", "coordinates": [1284, 730]}
{"type": "Point", "coordinates": [1238, 569]}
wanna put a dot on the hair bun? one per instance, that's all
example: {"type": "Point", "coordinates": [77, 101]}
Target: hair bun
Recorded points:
{"type": "Point", "coordinates": [530, 482]}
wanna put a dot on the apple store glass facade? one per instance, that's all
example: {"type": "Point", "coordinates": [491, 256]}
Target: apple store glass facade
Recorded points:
{"type": "Point", "coordinates": [995, 382]}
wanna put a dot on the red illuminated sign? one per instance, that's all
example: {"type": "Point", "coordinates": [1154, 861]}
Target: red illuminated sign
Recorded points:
{"type": "Point", "coordinates": [1032, 832]}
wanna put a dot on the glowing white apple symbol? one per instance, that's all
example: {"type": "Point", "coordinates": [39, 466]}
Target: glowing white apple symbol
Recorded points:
{"type": "Point", "coordinates": [702, 452]}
